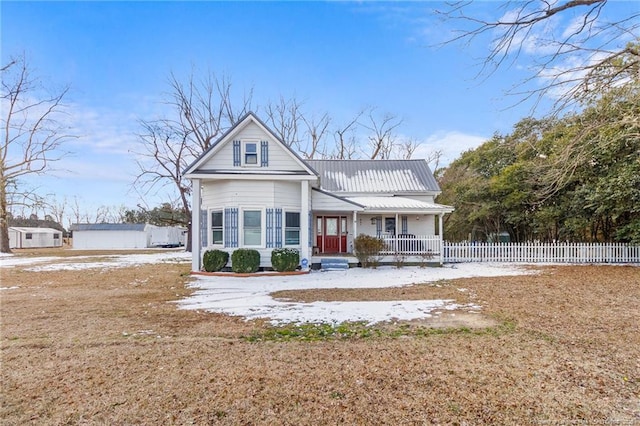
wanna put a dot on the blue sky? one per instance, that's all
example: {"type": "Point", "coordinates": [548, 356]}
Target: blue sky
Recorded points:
{"type": "Point", "coordinates": [336, 57]}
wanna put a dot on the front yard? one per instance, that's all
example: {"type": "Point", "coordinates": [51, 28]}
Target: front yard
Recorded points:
{"type": "Point", "coordinates": [103, 345]}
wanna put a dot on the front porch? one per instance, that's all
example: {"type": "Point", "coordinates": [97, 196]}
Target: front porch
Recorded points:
{"type": "Point", "coordinates": [407, 249]}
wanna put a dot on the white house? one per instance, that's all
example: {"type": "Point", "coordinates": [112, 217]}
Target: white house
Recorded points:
{"type": "Point", "coordinates": [251, 190]}
{"type": "Point", "coordinates": [25, 237]}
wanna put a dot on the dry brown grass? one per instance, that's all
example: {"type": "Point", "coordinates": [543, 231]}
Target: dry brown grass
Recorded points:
{"type": "Point", "coordinates": [94, 347]}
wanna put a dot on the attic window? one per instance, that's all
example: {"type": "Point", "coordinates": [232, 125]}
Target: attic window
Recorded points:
{"type": "Point", "coordinates": [251, 153]}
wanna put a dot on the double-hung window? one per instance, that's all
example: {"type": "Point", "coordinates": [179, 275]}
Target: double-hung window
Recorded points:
{"type": "Point", "coordinates": [216, 227]}
{"type": "Point", "coordinates": [292, 228]}
{"type": "Point", "coordinates": [252, 227]}
{"type": "Point", "coordinates": [251, 153]}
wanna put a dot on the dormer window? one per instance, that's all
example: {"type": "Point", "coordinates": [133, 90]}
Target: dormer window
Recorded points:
{"type": "Point", "coordinates": [250, 153]}
{"type": "Point", "coordinates": [247, 154]}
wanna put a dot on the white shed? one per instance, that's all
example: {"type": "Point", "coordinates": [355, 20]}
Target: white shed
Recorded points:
{"type": "Point", "coordinates": [22, 237]}
{"type": "Point", "coordinates": [96, 236]}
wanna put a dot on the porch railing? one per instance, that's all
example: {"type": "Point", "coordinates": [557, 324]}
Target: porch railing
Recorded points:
{"type": "Point", "coordinates": [410, 244]}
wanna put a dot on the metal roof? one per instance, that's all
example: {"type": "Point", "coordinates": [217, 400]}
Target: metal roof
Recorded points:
{"type": "Point", "coordinates": [108, 226]}
{"type": "Point", "coordinates": [398, 203]}
{"type": "Point", "coordinates": [35, 230]}
{"type": "Point", "coordinates": [375, 176]}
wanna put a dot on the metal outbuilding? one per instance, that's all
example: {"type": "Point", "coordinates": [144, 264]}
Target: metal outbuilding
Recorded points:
{"type": "Point", "coordinates": [26, 237]}
{"type": "Point", "coordinates": [108, 236]}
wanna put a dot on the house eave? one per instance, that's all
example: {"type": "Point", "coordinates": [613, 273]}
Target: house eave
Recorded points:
{"type": "Point", "coordinates": [242, 175]}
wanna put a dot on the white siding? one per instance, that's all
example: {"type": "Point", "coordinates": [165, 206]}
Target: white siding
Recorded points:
{"type": "Point", "coordinates": [40, 237]}
{"type": "Point", "coordinates": [324, 202]}
{"type": "Point", "coordinates": [107, 240]}
{"type": "Point", "coordinates": [252, 193]}
{"type": "Point", "coordinates": [279, 158]}
{"type": "Point", "coordinates": [423, 198]}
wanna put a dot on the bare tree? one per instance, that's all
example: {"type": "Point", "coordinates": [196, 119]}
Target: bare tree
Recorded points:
{"type": "Point", "coordinates": [382, 137]}
{"type": "Point", "coordinates": [202, 110]}
{"type": "Point", "coordinates": [32, 133]}
{"type": "Point", "coordinates": [284, 117]}
{"type": "Point", "coordinates": [345, 140]}
{"type": "Point", "coordinates": [570, 53]}
{"type": "Point", "coordinates": [433, 159]}
{"type": "Point", "coordinates": [316, 132]}
{"type": "Point", "coordinates": [406, 148]}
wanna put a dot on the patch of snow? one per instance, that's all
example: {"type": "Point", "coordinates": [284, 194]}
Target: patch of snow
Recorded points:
{"type": "Point", "coordinates": [9, 288]}
{"type": "Point", "coordinates": [251, 297]}
{"type": "Point", "coordinates": [109, 261]}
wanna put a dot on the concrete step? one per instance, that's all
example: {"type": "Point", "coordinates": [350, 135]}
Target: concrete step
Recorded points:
{"type": "Point", "coordinates": [334, 264]}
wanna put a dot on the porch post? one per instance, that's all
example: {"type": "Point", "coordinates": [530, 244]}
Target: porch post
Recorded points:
{"type": "Point", "coordinates": [304, 222]}
{"type": "Point", "coordinates": [440, 231]}
{"type": "Point", "coordinates": [354, 228]}
{"type": "Point", "coordinates": [195, 225]}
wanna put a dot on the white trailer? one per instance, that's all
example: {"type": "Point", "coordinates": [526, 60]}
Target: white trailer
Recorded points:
{"type": "Point", "coordinates": [167, 236]}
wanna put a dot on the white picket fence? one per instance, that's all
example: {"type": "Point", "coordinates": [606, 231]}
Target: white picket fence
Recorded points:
{"type": "Point", "coordinates": [541, 252]}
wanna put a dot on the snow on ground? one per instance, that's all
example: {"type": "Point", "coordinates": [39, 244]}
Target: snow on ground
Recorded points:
{"type": "Point", "coordinates": [106, 261]}
{"type": "Point", "coordinates": [250, 297]}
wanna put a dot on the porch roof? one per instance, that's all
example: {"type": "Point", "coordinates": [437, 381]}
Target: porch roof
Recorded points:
{"type": "Point", "coordinates": [399, 204]}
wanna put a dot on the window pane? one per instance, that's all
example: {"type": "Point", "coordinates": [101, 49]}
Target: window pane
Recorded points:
{"type": "Point", "coordinates": [252, 218]}
{"type": "Point", "coordinates": [251, 159]}
{"type": "Point", "coordinates": [252, 227]}
{"type": "Point", "coordinates": [252, 237]}
{"type": "Point", "coordinates": [217, 236]}
{"type": "Point", "coordinates": [292, 220]}
{"type": "Point", "coordinates": [332, 226]}
{"type": "Point", "coordinates": [292, 237]}
{"type": "Point", "coordinates": [216, 218]}
{"type": "Point", "coordinates": [390, 225]}
{"type": "Point", "coordinates": [251, 148]}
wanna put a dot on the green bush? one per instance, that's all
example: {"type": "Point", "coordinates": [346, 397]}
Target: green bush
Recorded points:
{"type": "Point", "coordinates": [367, 250]}
{"type": "Point", "coordinates": [214, 260]}
{"type": "Point", "coordinates": [245, 260]}
{"type": "Point", "coordinates": [285, 259]}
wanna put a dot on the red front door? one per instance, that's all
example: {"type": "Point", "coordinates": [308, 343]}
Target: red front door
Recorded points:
{"type": "Point", "coordinates": [332, 234]}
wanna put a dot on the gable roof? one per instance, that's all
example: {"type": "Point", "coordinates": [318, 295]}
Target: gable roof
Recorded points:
{"type": "Point", "coordinates": [30, 229]}
{"type": "Point", "coordinates": [375, 176]}
{"type": "Point", "coordinates": [108, 226]}
{"type": "Point", "coordinates": [228, 135]}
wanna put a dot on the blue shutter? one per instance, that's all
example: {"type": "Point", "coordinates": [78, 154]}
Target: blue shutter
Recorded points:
{"type": "Point", "coordinates": [278, 228]}
{"type": "Point", "coordinates": [378, 226]}
{"type": "Point", "coordinates": [264, 154]}
{"type": "Point", "coordinates": [204, 232]}
{"type": "Point", "coordinates": [310, 230]}
{"type": "Point", "coordinates": [269, 228]}
{"type": "Point", "coordinates": [405, 225]}
{"type": "Point", "coordinates": [231, 227]}
{"type": "Point", "coordinates": [236, 153]}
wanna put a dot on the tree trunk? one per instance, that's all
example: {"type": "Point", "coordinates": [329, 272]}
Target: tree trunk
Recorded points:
{"type": "Point", "coordinates": [4, 218]}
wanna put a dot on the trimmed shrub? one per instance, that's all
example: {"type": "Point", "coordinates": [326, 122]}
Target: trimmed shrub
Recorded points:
{"type": "Point", "coordinates": [367, 250]}
{"type": "Point", "coordinates": [245, 260]}
{"type": "Point", "coordinates": [285, 259]}
{"type": "Point", "coordinates": [214, 260]}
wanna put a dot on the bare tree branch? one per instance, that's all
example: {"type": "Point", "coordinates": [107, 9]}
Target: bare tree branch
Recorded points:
{"type": "Point", "coordinates": [570, 53]}
{"type": "Point", "coordinates": [32, 133]}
